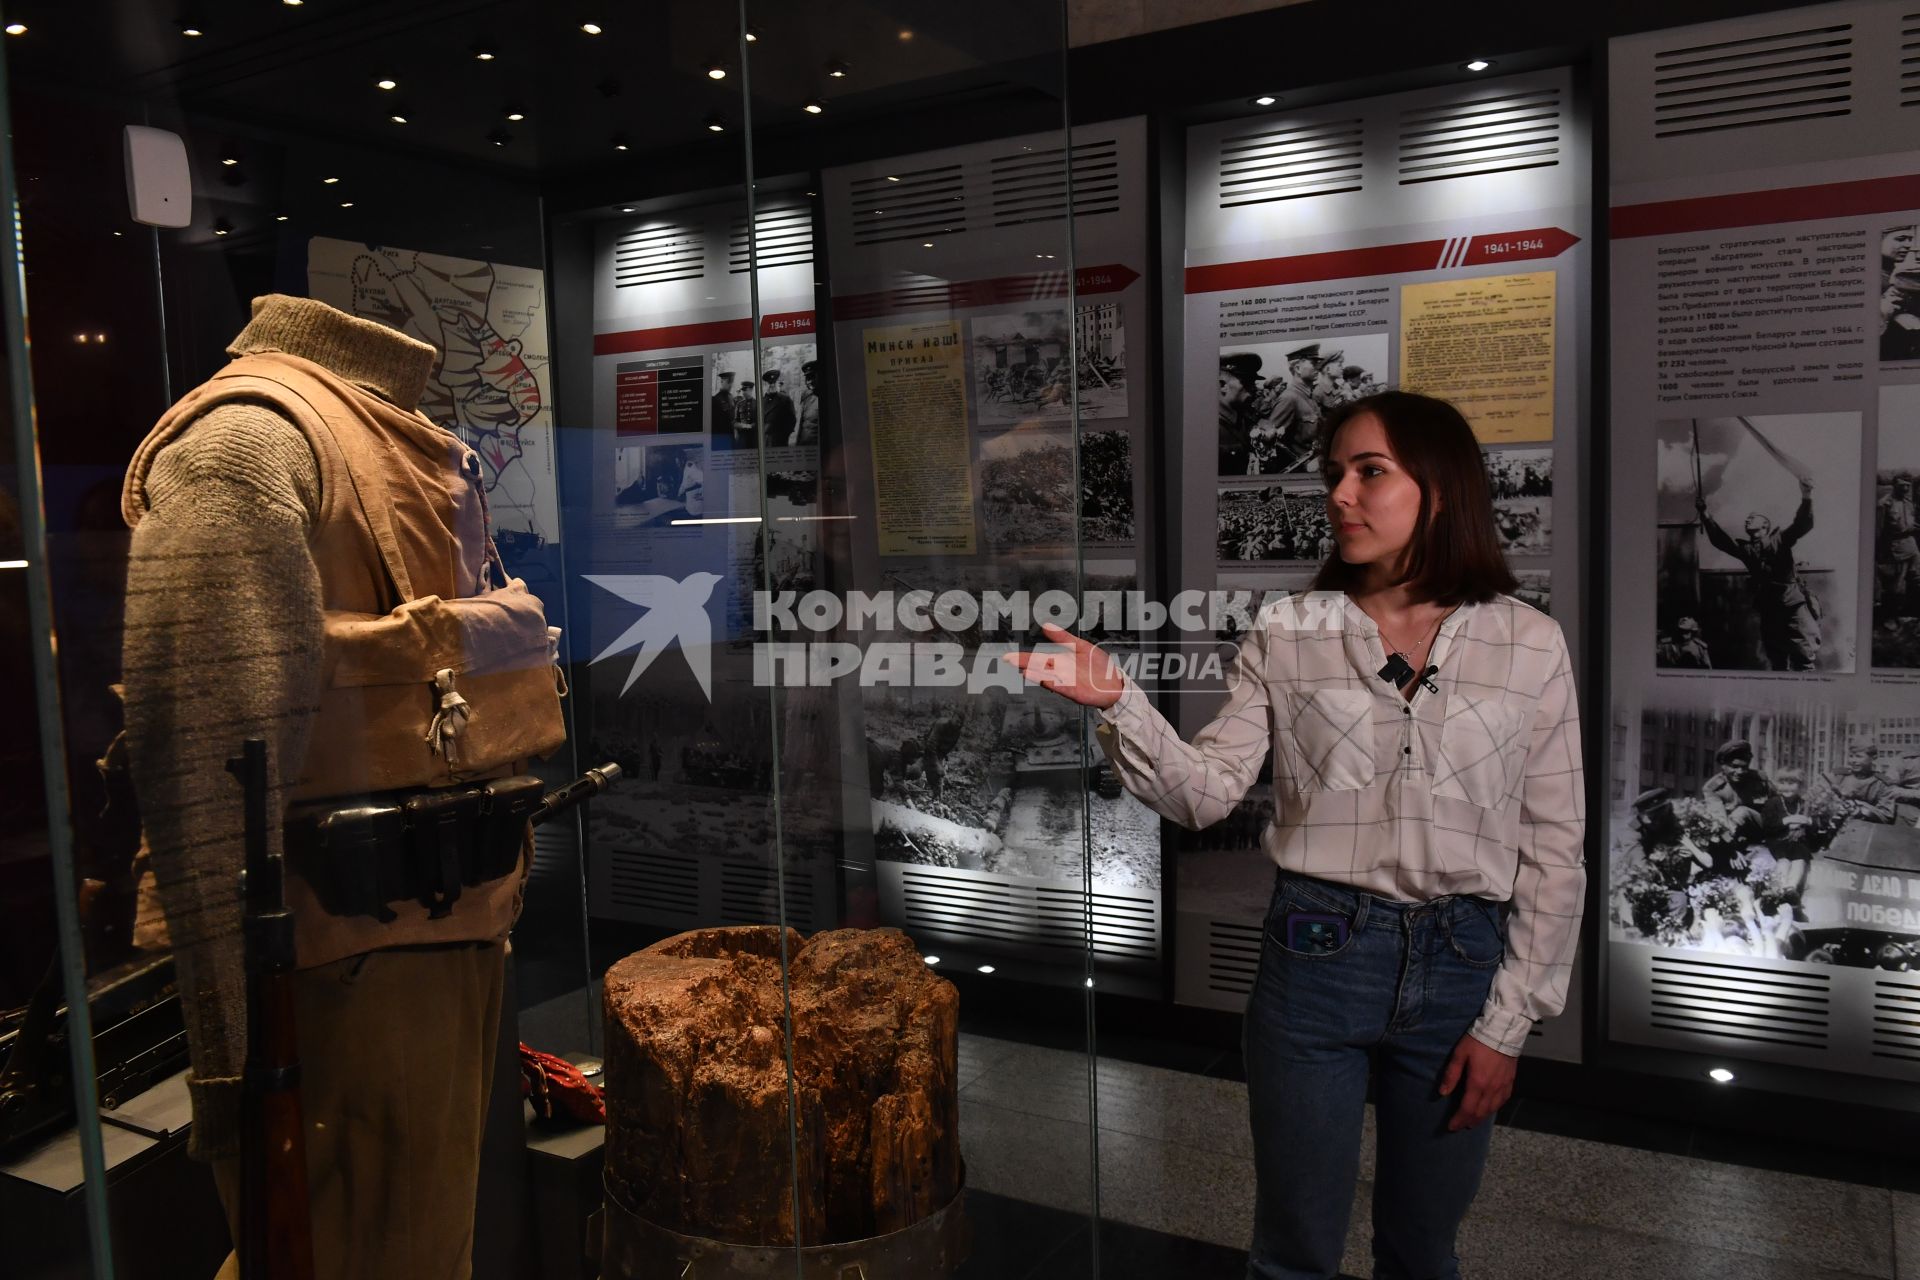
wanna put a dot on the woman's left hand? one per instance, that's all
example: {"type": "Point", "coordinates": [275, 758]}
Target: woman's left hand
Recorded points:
{"type": "Point", "coordinates": [1489, 1076]}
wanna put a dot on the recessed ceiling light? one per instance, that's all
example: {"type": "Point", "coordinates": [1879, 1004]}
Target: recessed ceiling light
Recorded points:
{"type": "Point", "coordinates": [931, 959]}
{"type": "Point", "coordinates": [891, 178]}
{"type": "Point", "coordinates": [986, 968]}
{"type": "Point", "coordinates": [119, 233]}
{"type": "Point", "coordinates": [387, 84]}
{"type": "Point", "coordinates": [397, 118]}
{"type": "Point", "coordinates": [837, 69]}
{"type": "Point", "coordinates": [1720, 1075]}
{"type": "Point", "coordinates": [191, 31]}
{"type": "Point", "coordinates": [591, 28]}
{"type": "Point", "coordinates": [813, 108]}
{"type": "Point", "coordinates": [499, 137]}
{"type": "Point", "coordinates": [753, 37]}
{"type": "Point", "coordinates": [1265, 100]}
{"type": "Point", "coordinates": [716, 72]}
{"type": "Point", "coordinates": [329, 181]}
{"type": "Point", "coordinates": [99, 337]}
{"type": "Point", "coordinates": [222, 227]}
{"type": "Point", "coordinates": [293, 4]}
{"type": "Point", "coordinates": [516, 116]}
{"type": "Point", "coordinates": [483, 54]}
{"type": "Point", "coordinates": [619, 144]}
{"type": "Point", "coordinates": [16, 28]}
{"type": "Point", "coordinates": [346, 204]}
{"type": "Point", "coordinates": [906, 35]}
{"type": "Point", "coordinates": [926, 244]}
{"type": "Point", "coordinates": [278, 217]}
{"type": "Point", "coordinates": [229, 160]}
{"type": "Point", "coordinates": [716, 125]}
{"type": "Point", "coordinates": [1478, 64]}
{"type": "Point", "coordinates": [626, 208]}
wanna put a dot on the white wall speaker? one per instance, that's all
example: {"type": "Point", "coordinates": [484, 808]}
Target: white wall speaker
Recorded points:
{"type": "Point", "coordinates": [159, 183]}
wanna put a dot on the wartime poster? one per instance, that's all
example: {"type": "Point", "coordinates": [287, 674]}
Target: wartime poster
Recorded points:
{"type": "Point", "coordinates": [1487, 345]}
{"type": "Point", "coordinates": [922, 463]}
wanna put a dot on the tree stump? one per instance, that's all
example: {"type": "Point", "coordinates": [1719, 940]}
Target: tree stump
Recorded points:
{"type": "Point", "coordinates": [698, 1097]}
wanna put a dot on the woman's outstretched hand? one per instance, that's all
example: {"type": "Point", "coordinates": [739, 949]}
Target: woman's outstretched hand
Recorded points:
{"type": "Point", "coordinates": [1083, 672]}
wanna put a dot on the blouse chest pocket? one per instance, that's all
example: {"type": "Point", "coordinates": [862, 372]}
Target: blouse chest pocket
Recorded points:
{"type": "Point", "coordinates": [1483, 750]}
{"type": "Point", "coordinates": [1329, 742]}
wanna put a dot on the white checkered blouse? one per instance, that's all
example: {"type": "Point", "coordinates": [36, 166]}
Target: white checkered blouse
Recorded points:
{"type": "Point", "coordinates": [1474, 790]}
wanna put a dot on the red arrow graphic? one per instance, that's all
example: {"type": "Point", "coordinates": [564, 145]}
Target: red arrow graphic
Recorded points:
{"type": "Point", "coordinates": [1382, 260]}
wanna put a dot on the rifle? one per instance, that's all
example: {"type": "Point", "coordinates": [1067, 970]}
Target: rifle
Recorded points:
{"type": "Point", "coordinates": [585, 787]}
{"type": "Point", "coordinates": [276, 1232]}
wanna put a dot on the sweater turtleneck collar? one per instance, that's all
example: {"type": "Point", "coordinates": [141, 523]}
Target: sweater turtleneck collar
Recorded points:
{"type": "Point", "coordinates": [384, 361]}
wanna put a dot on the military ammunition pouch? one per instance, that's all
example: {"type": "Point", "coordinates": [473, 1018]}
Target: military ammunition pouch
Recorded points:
{"type": "Point", "coordinates": [418, 846]}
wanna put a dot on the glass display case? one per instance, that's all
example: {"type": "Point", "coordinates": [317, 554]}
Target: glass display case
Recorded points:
{"type": "Point", "coordinates": [746, 351]}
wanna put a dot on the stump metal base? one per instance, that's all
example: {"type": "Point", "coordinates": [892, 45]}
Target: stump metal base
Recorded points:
{"type": "Point", "coordinates": [933, 1248]}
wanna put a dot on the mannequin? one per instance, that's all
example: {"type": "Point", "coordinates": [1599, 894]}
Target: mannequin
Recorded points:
{"type": "Point", "coordinates": [288, 514]}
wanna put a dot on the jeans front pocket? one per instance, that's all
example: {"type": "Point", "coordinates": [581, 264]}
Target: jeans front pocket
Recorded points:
{"type": "Point", "coordinates": [1296, 899]}
{"type": "Point", "coordinates": [1474, 933]}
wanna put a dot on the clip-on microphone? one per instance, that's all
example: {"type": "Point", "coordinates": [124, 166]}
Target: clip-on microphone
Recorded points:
{"type": "Point", "coordinates": [1398, 671]}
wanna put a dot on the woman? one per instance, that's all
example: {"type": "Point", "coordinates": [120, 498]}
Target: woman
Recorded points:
{"type": "Point", "coordinates": [1428, 825]}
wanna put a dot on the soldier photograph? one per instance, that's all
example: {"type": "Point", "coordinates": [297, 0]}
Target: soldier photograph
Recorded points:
{"type": "Point", "coordinates": [1896, 531]}
{"type": "Point", "coordinates": [1274, 394]}
{"type": "Point", "coordinates": [1752, 833]}
{"type": "Point", "coordinates": [1751, 555]}
{"type": "Point", "coordinates": [1900, 293]}
{"type": "Point", "coordinates": [720, 412]}
{"type": "Point", "coordinates": [1021, 361]}
{"type": "Point", "coordinates": [1027, 489]}
{"type": "Point", "coordinates": [1273, 522]}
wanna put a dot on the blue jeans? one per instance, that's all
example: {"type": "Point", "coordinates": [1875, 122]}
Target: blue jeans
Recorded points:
{"type": "Point", "coordinates": [1399, 994]}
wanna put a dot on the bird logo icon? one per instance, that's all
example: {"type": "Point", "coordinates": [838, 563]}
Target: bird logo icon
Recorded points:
{"type": "Point", "coordinates": [676, 609]}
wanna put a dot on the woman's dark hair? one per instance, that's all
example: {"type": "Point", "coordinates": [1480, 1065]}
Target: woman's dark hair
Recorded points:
{"type": "Point", "coordinates": [1455, 555]}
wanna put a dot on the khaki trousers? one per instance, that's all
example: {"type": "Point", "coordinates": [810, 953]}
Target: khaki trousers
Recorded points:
{"type": "Point", "coordinates": [396, 1060]}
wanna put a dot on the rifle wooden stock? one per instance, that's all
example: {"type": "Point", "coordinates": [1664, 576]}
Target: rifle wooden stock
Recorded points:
{"type": "Point", "coordinates": [276, 1226]}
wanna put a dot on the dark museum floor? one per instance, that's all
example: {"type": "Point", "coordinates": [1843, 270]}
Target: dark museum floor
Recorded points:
{"type": "Point", "coordinates": [1569, 1192]}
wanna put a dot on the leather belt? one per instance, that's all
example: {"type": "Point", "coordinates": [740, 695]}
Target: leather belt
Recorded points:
{"type": "Point", "coordinates": [360, 855]}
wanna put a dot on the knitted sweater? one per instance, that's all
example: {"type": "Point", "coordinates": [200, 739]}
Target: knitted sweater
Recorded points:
{"type": "Point", "coordinates": [223, 643]}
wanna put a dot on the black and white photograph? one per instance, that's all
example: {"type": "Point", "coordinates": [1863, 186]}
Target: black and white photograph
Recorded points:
{"type": "Point", "coordinates": [1027, 488]}
{"type": "Point", "coordinates": [785, 400]}
{"type": "Point", "coordinates": [780, 551]}
{"type": "Point", "coordinates": [1900, 293]}
{"type": "Point", "coordinates": [697, 774]}
{"type": "Point", "coordinates": [1021, 358]}
{"type": "Point", "coordinates": [1522, 485]}
{"type": "Point", "coordinates": [1536, 588]}
{"type": "Point", "coordinates": [1274, 394]}
{"type": "Point", "coordinates": [1896, 531]}
{"type": "Point", "coordinates": [657, 484]}
{"type": "Point", "coordinates": [1106, 486]}
{"type": "Point", "coordinates": [1786, 833]}
{"type": "Point", "coordinates": [1274, 523]}
{"type": "Point", "coordinates": [995, 782]}
{"type": "Point", "coordinates": [1758, 558]}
